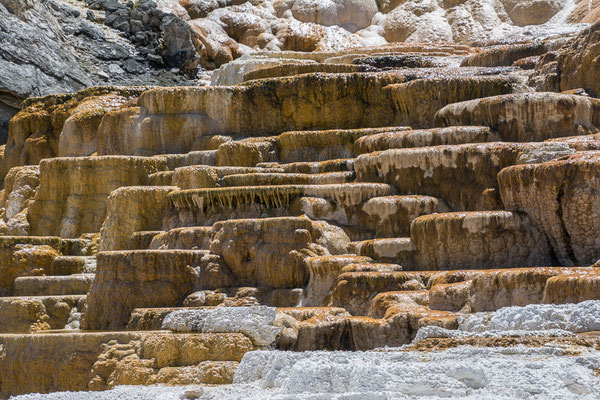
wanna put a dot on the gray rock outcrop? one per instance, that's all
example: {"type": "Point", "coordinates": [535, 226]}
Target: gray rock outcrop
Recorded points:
{"type": "Point", "coordinates": [51, 46]}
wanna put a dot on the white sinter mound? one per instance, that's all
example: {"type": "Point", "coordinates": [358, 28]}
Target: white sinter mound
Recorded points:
{"type": "Point", "coordinates": [255, 322]}
{"type": "Point", "coordinates": [465, 373]}
{"type": "Point", "coordinates": [531, 320]}
{"type": "Point", "coordinates": [580, 317]}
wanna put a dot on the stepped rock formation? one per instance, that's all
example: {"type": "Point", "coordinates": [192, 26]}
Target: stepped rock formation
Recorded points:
{"type": "Point", "coordinates": [519, 118]}
{"type": "Point", "coordinates": [559, 195]}
{"type": "Point", "coordinates": [352, 176]}
{"type": "Point", "coordinates": [61, 125]}
{"type": "Point", "coordinates": [71, 198]}
{"type": "Point", "coordinates": [477, 240]}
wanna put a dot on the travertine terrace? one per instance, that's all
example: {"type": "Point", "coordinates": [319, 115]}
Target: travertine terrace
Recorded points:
{"type": "Point", "coordinates": [338, 200]}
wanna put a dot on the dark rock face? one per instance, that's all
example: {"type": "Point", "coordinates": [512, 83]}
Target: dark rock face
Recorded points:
{"type": "Point", "coordinates": [52, 47]}
{"type": "Point", "coordinates": [165, 39]}
{"type": "Point", "coordinates": [178, 46]}
{"type": "Point", "coordinates": [8, 109]}
{"type": "Point", "coordinates": [397, 61]}
{"type": "Point", "coordinates": [201, 8]}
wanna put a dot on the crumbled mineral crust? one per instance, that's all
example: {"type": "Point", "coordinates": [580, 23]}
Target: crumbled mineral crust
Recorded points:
{"type": "Point", "coordinates": [462, 372]}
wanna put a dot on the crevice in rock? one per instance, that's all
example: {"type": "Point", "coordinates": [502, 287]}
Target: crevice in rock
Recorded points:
{"type": "Point", "coordinates": [565, 234]}
{"type": "Point", "coordinates": [10, 104]}
{"type": "Point", "coordinates": [347, 341]}
{"type": "Point", "coordinates": [553, 256]}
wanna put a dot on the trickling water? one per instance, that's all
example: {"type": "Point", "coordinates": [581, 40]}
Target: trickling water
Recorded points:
{"type": "Point", "coordinates": [557, 25]}
{"type": "Point", "coordinates": [90, 265]}
{"type": "Point", "coordinates": [74, 320]}
{"type": "Point", "coordinates": [562, 16]}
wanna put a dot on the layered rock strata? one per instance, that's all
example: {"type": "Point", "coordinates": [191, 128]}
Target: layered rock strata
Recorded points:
{"type": "Point", "coordinates": [559, 197]}
{"type": "Point", "coordinates": [71, 199]}
{"type": "Point", "coordinates": [123, 279]}
{"type": "Point", "coordinates": [532, 117]}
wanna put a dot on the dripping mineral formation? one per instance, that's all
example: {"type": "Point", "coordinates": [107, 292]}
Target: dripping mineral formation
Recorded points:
{"type": "Point", "coordinates": [349, 199]}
